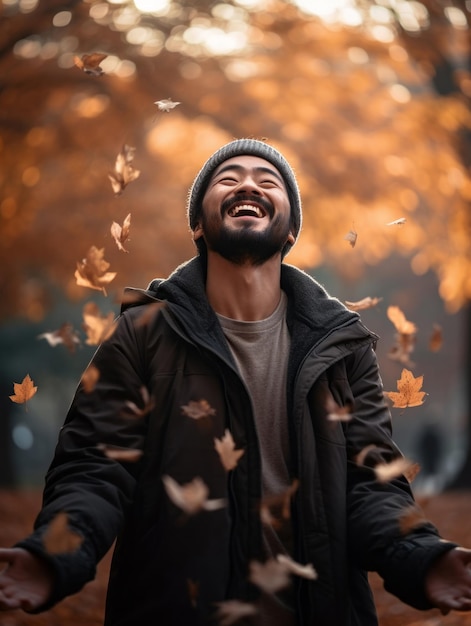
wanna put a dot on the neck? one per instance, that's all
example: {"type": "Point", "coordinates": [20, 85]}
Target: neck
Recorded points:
{"type": "Point", "coordinates": [243, 292]}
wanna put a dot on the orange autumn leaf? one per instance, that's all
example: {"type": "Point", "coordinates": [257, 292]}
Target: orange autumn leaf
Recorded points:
{"type": "Point", "coordinates": [92, 270]}
{"type": "Point", "coordinates": [351, 237]}
{"type": "Point", "coordinates": [364, 303]}
{"type": "Point", "coordinates": [24, 391]}
{"type": "Point", "coordinates": [225, 447]}
{"type": "Point", "coordinates": [131, 455]}
{"type": "Point", "coordinates": [270, 576]}
{"type": "Point", "coordinates": [411, 518]}
{"type": "Point", "coordinates": [90, 63]}
{"type": "Point", "coordinates": [191, 497]}
{"type": "Point", "coordinates": [121, 233]}
{"type": "Point", "coordinates": [402, 325]}
{"type": "Point", "coordinates": [59, 538]}
{"type": "Point", "coordinates": [436, 339]}
{"type": "Point", "coordinates": [408, 393]}
{"type": "Point", "coordinates": [98, 327]}
{"type": "Point", "coordinates": [197, 409]}
{"type": "Point", "coordinates": [388, 471]}
{"type": "Point", "coordinates": [90, 378]}
{"type": "Point", "coordinates": [123, 173]}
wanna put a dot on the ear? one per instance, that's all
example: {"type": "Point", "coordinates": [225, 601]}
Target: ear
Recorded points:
{"type": "Point", "coordinates": [291, 238]}
{"type": "Point", "coordinates": [197, 232]}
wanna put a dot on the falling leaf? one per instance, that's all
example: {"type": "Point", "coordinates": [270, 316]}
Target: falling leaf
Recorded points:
{"type": "Point", "coordinates": [90, 63]}
{"type": "Point", "coordinates": [120, 454]}
{"type": "Point", "coordinates": [191, 497]}
{"type": "Point", "coordinates": [148, 405]}
{"type": "Point", "coordinates": [166, 105]}
{"type": "Point", "coordinates": [59, 538]}
{"type": "Point", "coordinates": [336, 413]}
{"type": "Point", "coordinates": [360, 458]}
{"type": "Point", "coordinates": [411, 472]}
{"type": "Point", "coordinates": [351, 237]}
{"type": "Point", "coordinates": [276, 509]}
{"type": "Point", "coordinates": [197, 409]}
{"type": "Point", "coordinates": [24, 391]}
{"type": "Point", "coordinates": [65, 335]}
{"type": "Point", "coordinates": [92, 270]}
{"type": "Point", "coordinates": [225, 447]}
{"type": "Point", "coordinates": [398, 222]}
{"type": "Point", "coordinates": [365, 303]}
{"type": "Point", "coordinates": [387, 471]}
{"type": "Point", "coordinates": [402, 325]}
{"type": "Point", "coordinates": [193, 591]}
{"type": "Point", "coordinates": [123, 172]}
{"type": "Point", "coordinates": [304, 571]}
{"type": "Point", "coordinates": [231, 611]}
{"type": "Point", "coordinates": [270, 576]}
{"type": "Point", "coordinates": [98, 327]}
{"type": "Point", "coordinates": [408, 394]}
{"type": "Point", "coordinates": [402, 349]}
{"type": "Point", "coordinates": [90, 378]}
{"type": "Point", "coordinates": [121, 233]}
{"type": "Point", "coordinates": [436, 339]}
{"type": "Point", "coordinates": [410, 519]}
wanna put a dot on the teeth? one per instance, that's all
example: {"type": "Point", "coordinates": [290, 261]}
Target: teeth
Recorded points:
{"type": "Point", "coordinates": [247, 207]}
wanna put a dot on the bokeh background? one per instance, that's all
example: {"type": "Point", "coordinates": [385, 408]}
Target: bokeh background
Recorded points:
{"type": "Point", "coordinates": [368, 99]}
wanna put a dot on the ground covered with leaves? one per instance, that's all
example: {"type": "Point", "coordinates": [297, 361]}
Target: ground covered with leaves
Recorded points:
{"type": "Point", "coordinates": [450, 511]}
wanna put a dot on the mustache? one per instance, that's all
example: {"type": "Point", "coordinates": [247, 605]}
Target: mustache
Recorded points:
{"type": "Point", "coordinates": [250, 199]}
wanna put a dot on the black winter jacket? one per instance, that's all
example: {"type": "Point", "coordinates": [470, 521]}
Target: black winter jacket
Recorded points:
{"type": "Point", "coordinates": [171, 568]}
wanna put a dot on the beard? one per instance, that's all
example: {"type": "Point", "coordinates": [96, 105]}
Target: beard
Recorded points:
{"type": "Point", "coordinates": [245, 246]}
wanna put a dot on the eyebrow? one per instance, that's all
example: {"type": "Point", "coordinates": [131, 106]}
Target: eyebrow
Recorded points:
{"type": "Point", "coordinates": [266, 170]}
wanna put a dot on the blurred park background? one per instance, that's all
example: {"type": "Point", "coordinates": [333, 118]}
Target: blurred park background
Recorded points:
{"type": "Point", "coordinates": [370, 102]}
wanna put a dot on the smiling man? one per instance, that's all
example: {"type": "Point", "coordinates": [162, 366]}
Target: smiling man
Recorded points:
{"type": "Point", "coordinates": [248, 503]}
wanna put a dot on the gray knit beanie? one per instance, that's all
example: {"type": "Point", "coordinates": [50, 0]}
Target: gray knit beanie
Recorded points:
{"type": "Point", "coordinates": [251, 147]}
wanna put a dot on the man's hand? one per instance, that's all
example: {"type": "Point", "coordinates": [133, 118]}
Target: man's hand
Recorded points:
{"type": "Point", "coordinates": [448, 581]}
{"type": "Point", "coordinates": [26, 580]}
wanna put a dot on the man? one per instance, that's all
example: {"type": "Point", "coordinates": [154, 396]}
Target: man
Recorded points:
{"type": "Point", "coordinates": [248, 503]}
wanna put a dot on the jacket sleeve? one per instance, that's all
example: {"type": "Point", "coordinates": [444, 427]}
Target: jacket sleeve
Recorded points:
{"type": "Point", "coordinates": [375, 508]}
{"type": "Point", "coordinates": [82, 481]}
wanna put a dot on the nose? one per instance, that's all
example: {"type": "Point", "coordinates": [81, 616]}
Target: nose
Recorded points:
{"type": "Point", "coordinates": [248, 185]}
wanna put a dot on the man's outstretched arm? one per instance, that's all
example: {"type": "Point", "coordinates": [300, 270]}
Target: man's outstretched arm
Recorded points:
{"type": "Point", "coordinates": [448, 581]}
{"type": "Point", "coordinates": [26, 580]}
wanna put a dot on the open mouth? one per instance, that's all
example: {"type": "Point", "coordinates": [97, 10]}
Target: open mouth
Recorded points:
{"type": "Point", "coordinates": [249, 210]}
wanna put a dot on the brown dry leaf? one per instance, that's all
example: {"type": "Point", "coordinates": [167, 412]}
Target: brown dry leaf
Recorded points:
{"type": "Point", "coordinates": [123, 172]}
{"type": "Point", "coordinates": [65, 334]}
{"type": "Point", "coordinates": [225, 447]}
{"type": "Point", "coordinates": [98, 327]}
{"type": "Point", "coordinates": [90, 63]}
{"type": "Point", "coordinates": [121, 233]}
{"type": "Point", "coordinates": [59, 538]}
{"type": "Point", "coordinates": [270, 576]}
{"type": "Point", "coordinates": [360, 458]}
{"type": "Point", "coordinates": [198, 409]}
{"type": "Point", "coordinates": [120, 454]}
{"type": "Point", "coordinates": [134, 410]}
{"type": "Point", "coordinates": [24, 391]}
{"type": "Point", "coordinates": [411, 472]}
{"type": "Point", "coordinates": [336, 413]}
{"type": "Point", "coordinates": [410, 519]}
{"type": "Point", "coordinates": [436, 339]}
{"type": "Point", "coordinates": [166, 104]}
{"type": "Point", "coordinates": [365, 303]}
{"type": "Point", "coordinates": [408, 393]}
{"type": "Point", "coordinates": [403, 348]}
{"type": "Point", "coordinates": [92, 270]}
{"type": "Point", "coordinates": [351, 237]}
{"type": "Point", "coordinates": [275, 509]}
{"type": "Point", "coordinates": [387, 471]}
{"type": "Point", "coordinates": [402, 325]}
{"type": "Point", "coordinates": [90, 378]}
{"type": "Point", "coordinates": [304, 571]}
{"type": "Point", "coordinates": [191, 497]}
{"type": "Point", "coordinates": [399, 222]}
{"type": "Point", "coordinates": [231, 611]}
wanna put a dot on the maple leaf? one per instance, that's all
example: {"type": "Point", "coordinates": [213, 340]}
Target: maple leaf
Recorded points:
{"type": "Point", "coordinates": [121, 233]}
{"type": "Point", "coordinates": [410, 519]}
{"type": "Point", "coordinates": [197, 409]}
{"type": "Point", "coordinates": [398, 222]}
{"type": "Point", "coordinates": [270, 576]}
{"type": "Point", "coordinates": [436, 339]}
{"type": "Point", "coordinates": [65, 335]}
{"type": "Point", "coordinates": [404, 345]}
{"type": "Point", "coordinates": [351, 237]}
{"type": "Point", "coordinates": [120, 454]}
{"type": "Point", "coordinates": [90, 63]}
{"type": "Point", "coordinates": [365, 303]}
{"type": "Point", "coordinates": [336, 413]}
{"type": "Point", "coordinates": [304, 571]}
{"type": "Point", "coordinates": [24, 391]}
{"type": "Point", "coordinates": [387, 471]}
{"type": "Point", "coordinates": [92, 270]}
{"type": "Point", "coordinates": [59, 538]}
{"type": "Point", "coordinates": [191, 497]}
{"type": "Point", "coordinates": [408, 393]}
{"type": "Point", "coordinates": [148, 405]}
{"type": "Point", "coordinates": [98, 327]}
{"type": "Point", "coordinates": [166, 104]}
{"type": "Point", "coordinates": [123, 172]}
{"type": "Point", "coordinates": [402, 325]}
{"type": "Point", "coordinates": [225, 447]}
{"type": "Point", "coordinates": [90, 378]}
{"type": "Point", "coordinates": [231, 611]}
{"type": "Point", "coordinates": [276, 508]}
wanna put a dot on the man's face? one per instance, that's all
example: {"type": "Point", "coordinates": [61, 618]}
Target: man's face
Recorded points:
{"type": "Point", "coordinates": [245, 211]}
